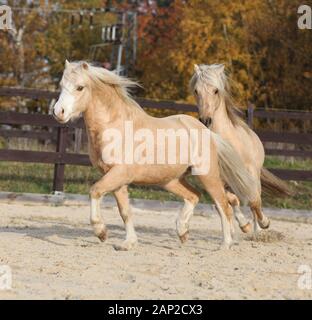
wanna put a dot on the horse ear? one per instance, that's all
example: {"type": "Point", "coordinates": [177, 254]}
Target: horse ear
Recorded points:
{"type": "Point", "coordinates": [85, 65]}
{"type": "Point", "coordinates": [196, 68]}
{"type": "Point", "coordinates": [67, 63]}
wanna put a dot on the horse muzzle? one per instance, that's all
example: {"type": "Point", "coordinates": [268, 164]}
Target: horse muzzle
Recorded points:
{"type": "Point", "coordinates": [59, 116]}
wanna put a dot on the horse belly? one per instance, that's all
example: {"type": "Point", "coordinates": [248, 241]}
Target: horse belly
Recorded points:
{"type": "Point", "coordinates": [157, 174]}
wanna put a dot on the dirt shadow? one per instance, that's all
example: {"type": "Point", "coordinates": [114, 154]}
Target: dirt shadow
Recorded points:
{"type": "Point", "coordinates": [266, 236]}
{"type": "Point", "coordinates": [163, 237]}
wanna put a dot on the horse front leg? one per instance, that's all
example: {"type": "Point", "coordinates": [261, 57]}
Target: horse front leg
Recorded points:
{"type": "Point", "coordinates": [96, 219]}
{"type": "Point", "coordinates": [122, 198]}
{"type": "Point", "coordinates": [111, 181]}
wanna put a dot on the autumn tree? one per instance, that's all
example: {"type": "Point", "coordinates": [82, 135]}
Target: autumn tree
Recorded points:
{"type": "Point", "coordinates": [267, 55]}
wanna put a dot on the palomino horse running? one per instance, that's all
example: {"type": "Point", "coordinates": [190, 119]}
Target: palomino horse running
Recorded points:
{"type": "Point", "coordinates": [103, 99]}
{"type": "Point", "coordinates": [217, 111]}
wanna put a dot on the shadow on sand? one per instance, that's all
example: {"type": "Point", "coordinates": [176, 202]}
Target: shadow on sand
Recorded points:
{"type": "Point", "coordinates": [159, 237]}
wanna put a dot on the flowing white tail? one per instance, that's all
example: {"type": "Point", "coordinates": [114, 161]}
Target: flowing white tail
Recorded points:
{"type": "Point", "coordinates": [233, 171]}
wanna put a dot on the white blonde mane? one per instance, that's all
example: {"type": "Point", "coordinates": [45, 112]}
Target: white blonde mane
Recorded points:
{"type": "Point", "coordinates": [210, 75]}
{"type": "Point", "coordinates": [214, 75]}
{"type": "Point", "coordinates": [98, 78]}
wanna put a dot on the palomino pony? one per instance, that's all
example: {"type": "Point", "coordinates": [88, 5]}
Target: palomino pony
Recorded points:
{"type": "Point", "coordinates": [102, 97]}
{"type": "Point", "coordinates": [217, 111]}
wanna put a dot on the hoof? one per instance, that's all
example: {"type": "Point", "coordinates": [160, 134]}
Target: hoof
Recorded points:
{"type": "Point", "coordinates": [125, 246]}
{"type": "Point", "coordinates": [265, 223]}
{"type": "Point", "coordinates": [226, 246]}
{"type": "Point", "coordinates": [184, 237]}
{"type": "Point", "coordinates": [246, 228]}
{"type": "Point", "coordinates": [103, 235]}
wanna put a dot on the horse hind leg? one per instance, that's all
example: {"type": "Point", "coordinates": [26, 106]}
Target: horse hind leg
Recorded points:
{"type": "Point", "coordinates": [183, 189]}
{"type": "Point", "coordinates": [259, 218]}
{"type": "Point", "coordinates": [243, 223]}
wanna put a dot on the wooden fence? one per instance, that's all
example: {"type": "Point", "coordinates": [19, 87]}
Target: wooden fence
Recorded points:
{"type": "Point", "coordinates": [61, 157]}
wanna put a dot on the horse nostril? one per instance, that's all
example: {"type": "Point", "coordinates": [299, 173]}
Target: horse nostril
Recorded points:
{"type": "Point", "coordinates": [63, 111]}
{"type": "Point", "coordinates": [208, 122]}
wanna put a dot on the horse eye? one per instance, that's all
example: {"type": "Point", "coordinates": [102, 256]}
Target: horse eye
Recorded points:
{"type": "Point", "coordinates": [216, 91]}
{"type": "Point", "coordinates": [80, 88]}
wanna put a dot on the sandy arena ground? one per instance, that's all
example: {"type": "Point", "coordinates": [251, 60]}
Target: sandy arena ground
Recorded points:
{"type": "Point", "coordinates": [53, 254]}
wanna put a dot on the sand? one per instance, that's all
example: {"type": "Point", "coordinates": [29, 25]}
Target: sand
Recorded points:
{"type": "Point", "coordinates": [53, 254]}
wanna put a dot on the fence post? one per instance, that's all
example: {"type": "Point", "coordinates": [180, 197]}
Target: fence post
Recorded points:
{"type": "Point", "coordinates": [250, 115]}
{"type": "Point", "coordinates": [78, 139]}
{"type": "Point", "coordinates": [59, 168]}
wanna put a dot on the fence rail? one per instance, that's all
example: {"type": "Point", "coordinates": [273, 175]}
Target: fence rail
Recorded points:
{"type": "Point", "coordinates": [61, 134]}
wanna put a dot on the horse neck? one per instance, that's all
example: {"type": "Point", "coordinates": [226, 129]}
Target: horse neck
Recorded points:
{"type": "Point", "coordinates": [221, 121]}
{"type": "Point", "coordinates": [99, 111]}
{"type": "Point", "coordinates": [107, 109]}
